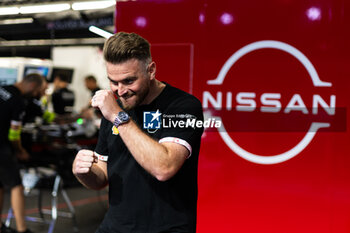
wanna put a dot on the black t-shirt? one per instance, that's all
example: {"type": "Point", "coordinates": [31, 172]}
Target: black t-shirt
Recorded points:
{"type": "Point", "coordinates": [93, 92]}
{"type": "Point", "coordinates": [63, 101]}
{"type": "Point", "coordinates": [12, 106]}
{"type": "Point", "coordinates": [33, 109]}
{"type": "Point", "coordinates": [97, 111]}
{"type": "Point", "coordinates": [138, 201]}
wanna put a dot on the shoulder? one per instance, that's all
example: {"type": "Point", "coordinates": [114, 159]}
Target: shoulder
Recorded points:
{"type": "Point", "coordinates": [11, 93]}
{"type": "Point", "coordinates": [177, 96]}
{"type": "Point", "coordinates": [14, 102]}
{"type": "Point", "coordinates": [5, 93]}
{"type": "Point", "coordinates": [11, 90]}
{"type": "Point", "coordinates": [56, 92]}
{"type": "Point", "coordinates": [68, 90]}
{"type": "Point", "coordinates": [180, 103]}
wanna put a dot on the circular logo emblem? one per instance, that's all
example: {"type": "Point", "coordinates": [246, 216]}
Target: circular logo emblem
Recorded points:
{"type": "Point", "coordinates": [314, 127]}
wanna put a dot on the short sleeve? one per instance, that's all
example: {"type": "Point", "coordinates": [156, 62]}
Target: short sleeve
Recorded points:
{"type": "Point", "coordinates": [18, 111]}
{"type": "Point", "coordinates": [101, 149]}
{"type": "Point", "coordinates": [179, 123]}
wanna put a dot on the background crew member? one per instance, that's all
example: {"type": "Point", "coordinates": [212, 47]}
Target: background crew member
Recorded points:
{"type": "Point", "coordinates": [37, 107]}
{"type": "Point", "coordinates": [91, 84]}
{"type": "Point", "coordinates": [12, 105]}
{"type": "Point", "coordinates": [152, 173]}
{"type": "Point", "coordinates": [62, 98]}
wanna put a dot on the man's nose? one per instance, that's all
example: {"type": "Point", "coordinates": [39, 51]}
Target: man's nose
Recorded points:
{"type": "Point", "coordinates": [121, 89]}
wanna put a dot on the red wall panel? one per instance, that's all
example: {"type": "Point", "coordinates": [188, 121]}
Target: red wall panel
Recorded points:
{"type": "Point", "coordinates": [309, 191]}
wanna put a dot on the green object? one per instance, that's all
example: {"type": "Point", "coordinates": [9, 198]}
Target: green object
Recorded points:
{"type": "Point", "coordinates": [14, 134]}
{"type": "Point", "coordinates": [80, 121]}
{"type": "Point", "coordinates": [49, 116]}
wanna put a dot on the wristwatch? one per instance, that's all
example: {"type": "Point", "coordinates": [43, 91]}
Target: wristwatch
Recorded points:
{"type": "Point", "coordinates": [121, 118]}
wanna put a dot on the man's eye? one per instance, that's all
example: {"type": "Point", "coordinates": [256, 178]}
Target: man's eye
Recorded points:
{"type": "Point", "coordinates": [128, 81]}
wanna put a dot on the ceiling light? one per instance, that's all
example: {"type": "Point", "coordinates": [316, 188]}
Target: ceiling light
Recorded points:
{"type": "Point", "coordinates": [44, 8]}
{"type": "Point", "coordinates": [9, 10]}
{"type": "Point", "coordinates": [100, 32]}
{"type": "Point", "coordinates": [16, 21]}
{"type": "Point", "coordinates": [91, 5]}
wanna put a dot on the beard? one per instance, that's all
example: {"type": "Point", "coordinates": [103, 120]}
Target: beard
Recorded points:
{"type": "Point", "coordinates": [129, 103]}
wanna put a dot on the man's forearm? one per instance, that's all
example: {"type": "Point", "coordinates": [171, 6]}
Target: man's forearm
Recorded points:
{"type": "Point", "coordinates": [162, 160]}
{"type": "Point", "coordinates": [151, 155]}
{"type": "Point", "coordinates": [17, 146]}
{"type": "Point", "coordinates": [95, 179]}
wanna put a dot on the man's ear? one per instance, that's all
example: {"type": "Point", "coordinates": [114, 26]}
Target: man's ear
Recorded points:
{"type": "Point", "coordinates": [152, 70]}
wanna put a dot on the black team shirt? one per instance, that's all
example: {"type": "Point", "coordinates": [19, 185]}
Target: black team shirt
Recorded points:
{"type": "Point", "coordinates": [138, 202]}
{"type": "Point", "coordinates": [63, 101]}
{"type": "Point", "coordinates": [12, 106]}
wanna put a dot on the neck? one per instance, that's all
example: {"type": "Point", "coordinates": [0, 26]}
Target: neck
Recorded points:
{"type": "Point", "coordinates": [20, 87]}
{"type": "Point", "coordinates": [156, 87]}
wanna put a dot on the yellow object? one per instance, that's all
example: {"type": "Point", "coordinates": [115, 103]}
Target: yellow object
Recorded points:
{"type": "Point", "coordinates": [44, 101]}
{"type": "Point", "coordinates": [115, 131]}
{"type": "Point", "coordinates": [14, 134]}
{"type": "Point", "coordinates": [49, 116]}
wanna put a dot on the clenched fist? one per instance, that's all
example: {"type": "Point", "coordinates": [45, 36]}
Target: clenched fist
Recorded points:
{"type": "Point", "coordinates": [106, 102]}
{"type": "Point", "coordinates": [83, 162]}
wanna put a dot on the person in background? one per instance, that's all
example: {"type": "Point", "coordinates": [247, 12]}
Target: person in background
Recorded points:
{"type": "Point", "coordinates": [89, 112]}
{"type": "Point", "coordinates": [151, 172]}
{"type": "Point", "coordinates": [62, 98]}
{"type": "Point", "coordinates": [37, 107]}
{"type": "Point", "coordinates": [91, 84]}
{"type": "Point", "coordinates": [13, 103]}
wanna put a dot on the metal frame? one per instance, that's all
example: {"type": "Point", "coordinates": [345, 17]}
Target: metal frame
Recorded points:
{"type": "Point", "coordinates": [57, 187]}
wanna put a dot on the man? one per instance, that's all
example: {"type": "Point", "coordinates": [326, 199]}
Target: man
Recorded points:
{"type": "Point", "coordinates": [91, 84]}
{"type": "Point", "coordinates": [88, 112]}
{"type": "Point", "coordinates": [37, 107]}
{"type": "Point", "coordinates": [151, 172]}
{"type": "Point", "coordinates": [62, 98]}
{"type": "Point", "coordinates": [12, 104]}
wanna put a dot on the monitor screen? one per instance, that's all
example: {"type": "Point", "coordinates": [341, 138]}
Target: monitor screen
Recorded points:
{"type": "Point", "coordinates": [67, 74]}
{"type": "Point", "coordinates": [8, 76]}
{"type": "Point", "coordinates": [43, 70]}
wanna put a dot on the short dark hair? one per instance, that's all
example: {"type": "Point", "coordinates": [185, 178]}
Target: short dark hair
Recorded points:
{"type": "Point", "coordinates": [124, 46]}
{"type": "Point", "coordinates": [62, 76]}
{"type": "Point", "coordinates": [90, 78]}
{"type": "Point", "coordinates": [34, 78]}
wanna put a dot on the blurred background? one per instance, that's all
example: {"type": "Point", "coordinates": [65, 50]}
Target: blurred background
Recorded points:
{"type": "Point", "coordinates": [274, 72]}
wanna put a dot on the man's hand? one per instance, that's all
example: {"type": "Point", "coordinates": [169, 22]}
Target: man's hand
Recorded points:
{"type": "Point", "coordinates": [106, 102]}
{"type": "Point", "coordinates": [83, 162]}
{"type": "Point", "coordinates": [22, 154]}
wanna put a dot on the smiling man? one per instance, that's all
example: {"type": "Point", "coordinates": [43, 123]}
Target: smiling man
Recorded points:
{"type": "Point", "coordinates": [151, 171]}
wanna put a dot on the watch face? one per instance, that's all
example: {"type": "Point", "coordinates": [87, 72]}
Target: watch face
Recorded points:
{"type": "Point", "coordinates": [123, 116]}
